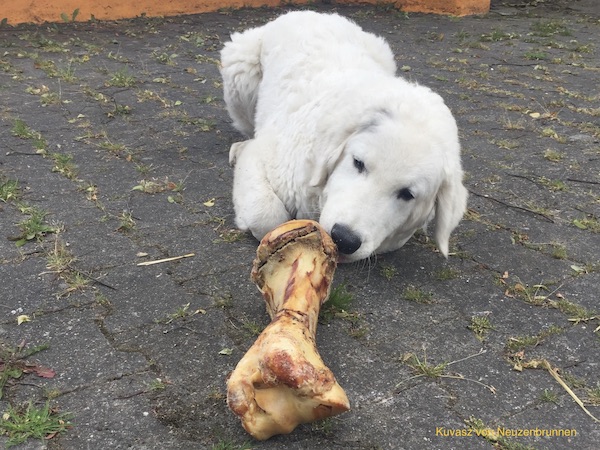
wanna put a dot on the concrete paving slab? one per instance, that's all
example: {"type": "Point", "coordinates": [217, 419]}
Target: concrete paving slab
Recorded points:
{"type": "Point", "coordinates": [117, 131]}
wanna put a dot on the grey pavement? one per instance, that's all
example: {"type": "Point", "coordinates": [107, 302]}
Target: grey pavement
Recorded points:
{"type": "Point", "coordinates": [117, 138]}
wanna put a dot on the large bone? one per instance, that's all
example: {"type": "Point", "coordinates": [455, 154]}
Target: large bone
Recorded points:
{"type": "Point", "coordinates": [282, 381]}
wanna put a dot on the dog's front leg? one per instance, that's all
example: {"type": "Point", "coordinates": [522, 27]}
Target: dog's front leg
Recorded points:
{"type": "Point", "coordinates": [257, 206]}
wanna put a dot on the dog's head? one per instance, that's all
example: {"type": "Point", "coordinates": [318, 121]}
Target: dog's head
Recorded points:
{"type": "Point", "coordinates": [395, 172]}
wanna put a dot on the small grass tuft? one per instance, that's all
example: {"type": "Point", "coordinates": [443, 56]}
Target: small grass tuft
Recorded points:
{"type": "Point", "coordinates": [388, 271]}
{"type": "Point", "coordinates": [182, 312]}
{"type": "Point", "coordinates": [549, 28]}
{"type": "Point", "coordinates": [224, 301]}
{"type": "Point", "coordinates": [20, 424]}
{"type": "Point", "coordinates": [63, 164]}
{"type": "Point", "coordinates": [121, 78]}
{"type": "Point", "coordinates": [549, 396]}
{"type": "Point", "coordinates": [157, 385]}
{"type": "Point", "coordinates": [575, 312]}
{"type": "Point", "coordinates": [594, 395]}
{"type": "Point", "coordinates": [481, 326]}
{"type": "Point", "coordinates": [60, 261]}
{"type": "Point", "coordinates": [339, 299]}
{"type": "Point", "coordinates": [590, 223]}
{"type": "Point", "coordinates": [126, 222]}
{"type": "Point", "coordinates": [227, 444]}
{"type": "Point", "coordinates": [518, 343]}
{"type": "Point", "coordinates": [34, 227]}
{"type": "Point", "coordinates": [9, 190]}
{"type": "Point", "coordinates": [423, 368]}
{"type": "Point", "coordinates": [324, 426]}
{"type": "Point", "coordinates": [23, 131]}
{"type": "Point", "coordinates": [447, 273]}
{"type": "Point", "coordinates": [252, 328]}
{"type": "Point", "coordinates": [415, 294]}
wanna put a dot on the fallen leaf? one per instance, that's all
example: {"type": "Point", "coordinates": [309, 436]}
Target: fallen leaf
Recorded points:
{"type": "Point", "coordinates": [226, 351]}
{"type": "Point", "coordinates": [23, 318]}
{"type": "Point", "coordinates": [40, 371]}
{"type": "Point", "coordinates": [209, 203]}
{"type": "Point", "coordinates": [520, 288]}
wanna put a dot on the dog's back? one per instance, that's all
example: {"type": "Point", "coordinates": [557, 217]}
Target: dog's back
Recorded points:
{"type": "Point", "coordinates": [297, 45]}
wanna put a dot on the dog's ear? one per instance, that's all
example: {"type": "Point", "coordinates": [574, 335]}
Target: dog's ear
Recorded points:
{"type": "Point", "coordinates": [451, 204]}
{"type": "Point", "coordinates": [325, 164]}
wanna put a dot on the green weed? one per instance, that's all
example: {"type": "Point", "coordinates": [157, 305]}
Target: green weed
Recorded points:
{"type": "Point", "coordinates": [549, 396]}
{"type": "Point", "coordinates": [536, 55]}
{"type": "Point", "coordinates": [498, 35]}
{"type": "Point", "coordinates": [481, 326]}
{"type": "Point", "coordinates": [157, 385]}
{"type": "Point", "coordinates": [60, 261]}
{"type": "Point", "coordinates": [34, 227]}
{"type": "Point", "coordinates": [63, 164]}
{"type": "Point", "coordinates": [415, 294]}
{"type": "Point", "coordinates": [9, 190]}
{"type": "Point", "coordinates": [594, 395]}
{"type": "Point", "coordinates": [549, 28]}
{"type": "Point", "coordinates": [590, 223]}
{"type": "Point", "coordinates": [228, 444]}
{"type": "Point", "coordinates": [553, 155]}
{"type": "Point", "coordinates": [121, 78]}
{"type": "Point", "coordinates": [20, 424]}
{"type": "Point", "coordinates": [388, 271]}
{"type": "Point", "coordinates": [337, 304]}
{"type": "Point", "coordinates": [423, 368]}
{"type": "Point", "coordinates": [518, 343]}
{"type": "Point", "coordinates": [66, 18]}
{"type": "Point", "coordinates": [447, 273]}
{"type": "Point", "coordinates": [126, 222]}
{"type": "Point", "coordinates": [23, 131]}
{"type": "Point", "coordinates": [181, 313]}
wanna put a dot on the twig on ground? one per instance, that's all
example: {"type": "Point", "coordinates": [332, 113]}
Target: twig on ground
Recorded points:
{"type": "Point", "coordinates": [521, 208]}
{"type": "Point", "coordinates": [158, 261]}
{"type": "Point", "coordinates": [575, 180]}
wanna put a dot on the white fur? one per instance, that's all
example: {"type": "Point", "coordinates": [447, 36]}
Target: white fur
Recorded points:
{"type": "Point", "coordinates": [313, 92]}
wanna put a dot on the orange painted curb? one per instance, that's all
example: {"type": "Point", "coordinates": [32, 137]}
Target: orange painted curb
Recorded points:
{"type": "Point", "coordinates": [40, 11]}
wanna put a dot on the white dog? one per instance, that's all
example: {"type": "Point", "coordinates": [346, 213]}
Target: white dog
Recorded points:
{"type": "Point", "coordinates": [335, 136]}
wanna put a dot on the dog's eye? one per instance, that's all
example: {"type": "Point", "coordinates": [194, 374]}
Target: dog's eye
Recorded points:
{"type": "Point", "coordinates": [360, 166]}
{"type": "Point", "coordinates": [405, 194]}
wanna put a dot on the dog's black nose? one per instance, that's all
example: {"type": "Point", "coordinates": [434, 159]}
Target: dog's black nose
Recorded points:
{"type": "Point", "coordinates": [347, 241]}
